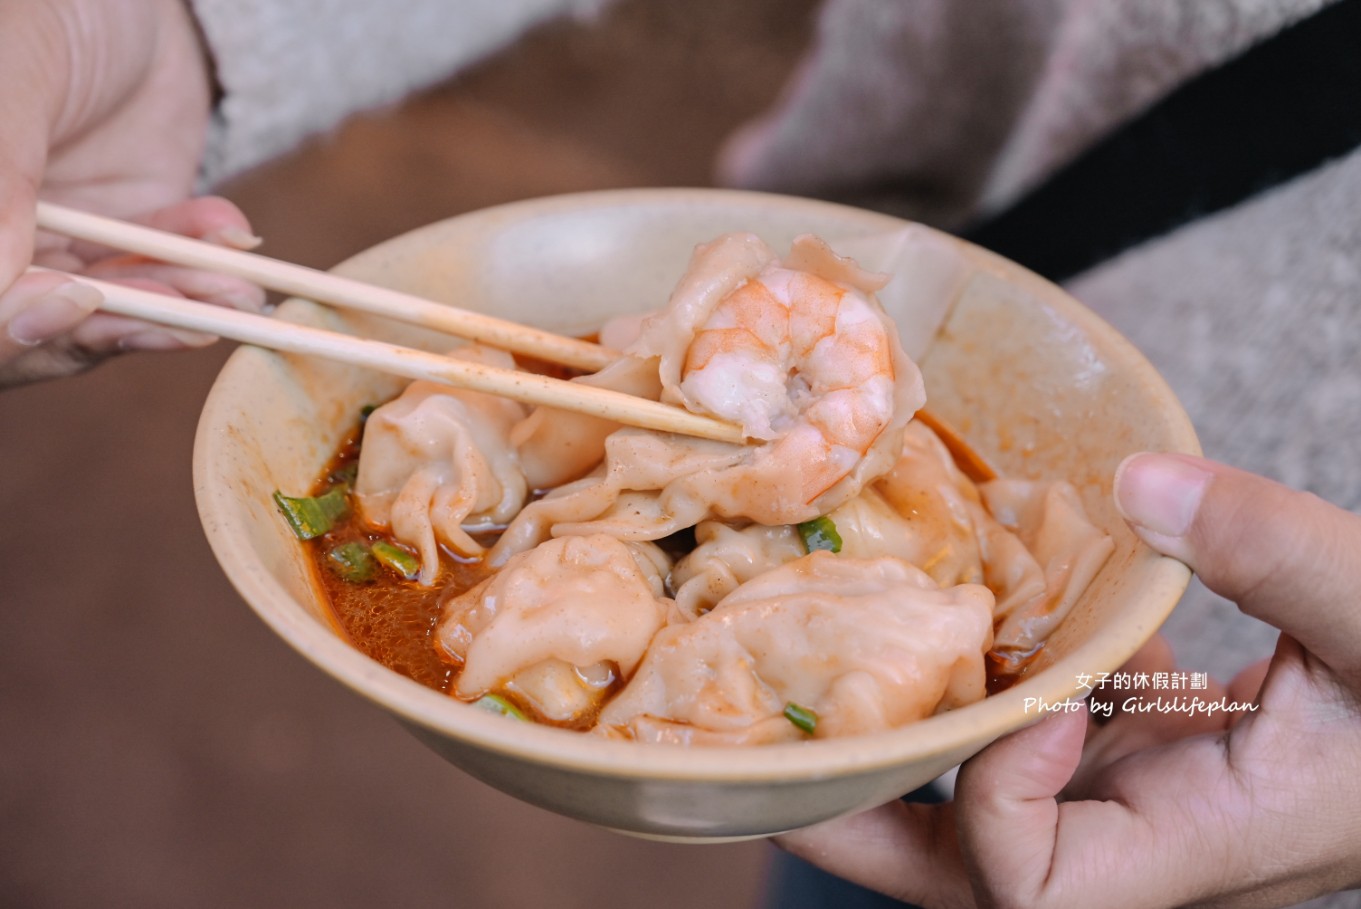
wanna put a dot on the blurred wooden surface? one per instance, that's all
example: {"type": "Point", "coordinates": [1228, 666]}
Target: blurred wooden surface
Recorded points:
{"type": "Point", "coordinates": [160, 747]}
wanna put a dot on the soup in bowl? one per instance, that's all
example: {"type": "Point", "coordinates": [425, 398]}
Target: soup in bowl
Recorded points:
{"type": "Point", "coordinates": [1018, 378]}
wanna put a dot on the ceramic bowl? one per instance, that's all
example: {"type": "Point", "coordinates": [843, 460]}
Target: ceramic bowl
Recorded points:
{"type": "Point", "coordinates": [1036, 383]}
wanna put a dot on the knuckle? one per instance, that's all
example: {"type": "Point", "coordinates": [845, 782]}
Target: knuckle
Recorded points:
{"type": "Point", "coordinates": [1255, 538]}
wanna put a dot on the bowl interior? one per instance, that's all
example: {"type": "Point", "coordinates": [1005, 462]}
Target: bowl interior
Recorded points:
{"type": "Point", "coordinates": [1035, 382]}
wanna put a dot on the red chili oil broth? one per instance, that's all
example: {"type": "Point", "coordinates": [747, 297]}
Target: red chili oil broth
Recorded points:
{"type": "Point", "coordinates": [393, 620]}
{"type": "Point", "coordinates": [390, 619]}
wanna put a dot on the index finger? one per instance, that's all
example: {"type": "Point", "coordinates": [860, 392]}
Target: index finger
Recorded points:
{"type": "Point", "coordinates": [906, 851]}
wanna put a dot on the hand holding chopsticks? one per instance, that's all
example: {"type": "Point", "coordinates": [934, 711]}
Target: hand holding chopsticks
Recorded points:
{"type": "Point", "coordinates": [528, 388]}
{"type": "Point", "coordinates": [323, 287]}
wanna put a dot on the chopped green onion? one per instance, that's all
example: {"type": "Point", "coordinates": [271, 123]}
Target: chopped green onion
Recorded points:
{"type": "Point", "coordinates": [352, 561]}
{"type": "Point", "coordinates": [400, 560]}
{"type": "Point", "coordinates": [802, 717]}
{"type": "Point", "coordinates": [494, 703]}
{"type": "Point", "coordinates": [311, 516]}
{"type": "Point", "coordinates": [365, 411]}
{"type": "Point", "coordinates": [820, 533]}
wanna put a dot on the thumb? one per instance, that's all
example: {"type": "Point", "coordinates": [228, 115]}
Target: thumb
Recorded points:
{"type": "Point", "coordinates": [27, 113]}
{"type": "Point", "coordinates": [1286, 557]}
{"type": "Point", "coordinates": [17, 200]}
{"type": "Point", "coordinates": [23, 144]}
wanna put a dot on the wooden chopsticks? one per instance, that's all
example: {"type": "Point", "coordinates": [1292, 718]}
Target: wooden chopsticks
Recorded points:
{"type": "Point", "coordinates": [528, 388]}
{"type": "Point", "coordinates": [323, 287]}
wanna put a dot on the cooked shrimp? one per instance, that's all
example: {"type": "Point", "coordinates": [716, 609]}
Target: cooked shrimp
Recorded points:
{"type": "Point", "coordinates": [798, 351]}
{"type": "Point", "coordinates": [809, 361]}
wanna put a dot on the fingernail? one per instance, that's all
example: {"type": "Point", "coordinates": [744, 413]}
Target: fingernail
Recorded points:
{"type": "Point", "coordinates": [164, 339]}
{"type": "Point", "coordinates": [1159, 493]}
{"type": "Point", "coordinates": [56, 312]}
{"type": "Point", "coordinates": [245, 301]}
{"type": "Point", "coordinates": [235, 236]}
